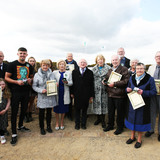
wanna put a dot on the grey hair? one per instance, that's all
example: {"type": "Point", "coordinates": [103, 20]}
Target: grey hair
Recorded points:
{"type": "Point", "coordinates": [135, 59]}
{"type": "Point", "coordinates": [157, 53]}
{"type": "Point", "coordinates": [141, 64]}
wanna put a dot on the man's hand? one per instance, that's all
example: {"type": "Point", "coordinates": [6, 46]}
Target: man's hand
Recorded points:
{"type": "Point", "coordinates": [129, 89]}
{"type": "Point", "coordinates": [111, 85]}
{"type": "Point", "coordinates": [29, 80]}
{"type": "Point", "coordinates": [20, 82]}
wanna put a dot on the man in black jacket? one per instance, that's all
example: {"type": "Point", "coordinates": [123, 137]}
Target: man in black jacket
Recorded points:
{"type": "Point", "coordinates": [70, 60]}
{"type": "Point", "coordinates": [82, 91]}
{"type": "Point", "coordinates": [123, 60]}
{"type": "Point", "coordinates": [3, 66]}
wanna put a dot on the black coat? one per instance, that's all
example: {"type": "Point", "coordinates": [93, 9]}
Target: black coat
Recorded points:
{"type": "Point", "coordinates": [2, 73]}
{"type": "Point", "coordinates": [83, 87]}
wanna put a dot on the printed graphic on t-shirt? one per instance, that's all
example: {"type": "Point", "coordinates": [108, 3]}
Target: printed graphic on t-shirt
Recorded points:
{"type": "Point", "coordinates": [22, 72]}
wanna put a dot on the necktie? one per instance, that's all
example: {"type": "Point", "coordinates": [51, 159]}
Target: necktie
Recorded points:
{"type": "Point", "coordinates": [82, 71]}
{"type": "Point", "coordinates": [0, 71]}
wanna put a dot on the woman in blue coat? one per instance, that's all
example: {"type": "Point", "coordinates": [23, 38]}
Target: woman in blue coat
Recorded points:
{"type": "Point", "coordinates": [139, 119]}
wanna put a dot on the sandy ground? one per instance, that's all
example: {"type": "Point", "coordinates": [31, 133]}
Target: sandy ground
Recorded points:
{"type": "Point", "coordinates": [70, 144]}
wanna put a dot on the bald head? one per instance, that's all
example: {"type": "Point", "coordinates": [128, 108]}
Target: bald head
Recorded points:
{"type": "Point", "coordinates": [82, 63]}
{"type": "Point", "coordinates": [69, 57]}
{"type": "Point", "coordinates": [1, 57]}
{"type": "Point", "coordinates": [115, 60]}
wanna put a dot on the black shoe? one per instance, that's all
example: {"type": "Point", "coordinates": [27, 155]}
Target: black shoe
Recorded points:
{"type": "Point", "coordinates": [129, 141]}
{"type": "Point", "coordinates": [24, 129]}
{"type": "Point", "coordinates": [13, 141]}
{"type": "Point", "coordinates": [77, 127]}
{"type": "Point", "coordinates": [98, 121]}
{"type": "Point", "coordinates": [138, 145]}
{"type": "Point", "coordinates": [159, 137]}
{"type": "Point", "coordinates": [148, 134]}
{"type": "Point", "coordinates": [118, 131]}
{"type": "Point", "coordinates": [43, 132]}
{"type": "Point", "coordinates": [83, 127]}
{"type": "Point", "coordinates": [108, 128]}
{"type": "Point", "coordinates": [49, 130]}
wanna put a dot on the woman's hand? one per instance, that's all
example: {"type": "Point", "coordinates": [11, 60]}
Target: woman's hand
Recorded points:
{"type": "Point", "coordinates": [3, 112]}
{"type": "Point", "coordinates": [103, 82]}
{"type": "Point", "coordinates": [44, 91]}
{"type": "Point", "coordinates": [129, 89]}
{"type": "Point", "coordinates": [140, 91]}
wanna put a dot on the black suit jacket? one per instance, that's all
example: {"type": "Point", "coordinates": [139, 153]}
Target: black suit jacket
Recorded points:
{"type": "Point", "coordinates": [3, 71]}
{"type": "Point", "coordinates": [127, 62]}
{"type": "Point", "coordinates": [83, 87]}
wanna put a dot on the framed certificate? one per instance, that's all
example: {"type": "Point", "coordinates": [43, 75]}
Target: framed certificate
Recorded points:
{"type": "Point", "coordinates": [51, 88]}
{"type": "Point", "coordinates": [157, 83]}
{"type": "Point", "coordinates": [70, 67]}
{"type": "Point", "coordinates": [114, 77]}
{"type": "Point", "coordinates": [0, 94]}
{"type": "Point", "coordinates": [136, 100]}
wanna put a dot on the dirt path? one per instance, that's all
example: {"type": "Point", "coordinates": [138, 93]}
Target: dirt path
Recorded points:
{"type": "Point", "coordinates": [70, 144]}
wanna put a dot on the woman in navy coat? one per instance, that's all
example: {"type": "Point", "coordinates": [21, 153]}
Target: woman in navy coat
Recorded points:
{"type": "Point", "coordinates": [139, 119]}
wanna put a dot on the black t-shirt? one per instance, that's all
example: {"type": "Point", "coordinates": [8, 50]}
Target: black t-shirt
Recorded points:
{"type": "Point", "coordinates": [20, 71]}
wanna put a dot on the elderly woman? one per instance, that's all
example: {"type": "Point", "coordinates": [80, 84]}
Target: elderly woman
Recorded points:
{"type": "Point", "coordinates": [139, 119]}
{"type": "Point", "coordinates": [44, 102]}
{"type": "Point", "coordinates": [132, 69]}
{"type": "Point", "coordinates": [100, 101]}
{"type": "Point", "coordinates": [64, 78]}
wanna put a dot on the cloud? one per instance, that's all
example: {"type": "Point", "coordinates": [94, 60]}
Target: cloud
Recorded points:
{"type": "Point", "coordinates": [50, 29]}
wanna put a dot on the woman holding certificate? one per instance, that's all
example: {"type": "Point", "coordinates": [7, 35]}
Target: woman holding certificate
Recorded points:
{"type": "Point", "coordinates": [100, 101]}
{"type": "Point", "coordinates": [138, 118]}
{"type": "Point", "coordinates": [44, 102]}
{"type": "Point", "coordinates": [64, 78]}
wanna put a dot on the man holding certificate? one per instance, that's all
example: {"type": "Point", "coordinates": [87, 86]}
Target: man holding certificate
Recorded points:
{"type": "Point", "coordinates": [154, 71]}
{"type": "Point", "coordinates": [71, 65]}
{"type": "Point", "coordinates": [116, 82]}
{"type": "Point", "coordinates": [138, 118]}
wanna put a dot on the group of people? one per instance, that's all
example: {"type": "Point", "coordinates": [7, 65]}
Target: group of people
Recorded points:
{"type": "Point", "coordinates": [84, 86]}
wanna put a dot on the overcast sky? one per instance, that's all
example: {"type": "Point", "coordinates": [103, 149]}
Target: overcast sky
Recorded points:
{"type": "Point", "coordinates": [51, 28]}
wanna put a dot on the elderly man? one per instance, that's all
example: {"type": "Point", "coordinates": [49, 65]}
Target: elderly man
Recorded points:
{"type": "Point", "coordinates": [116, 95]}
{"type": "Point", "coordinates": [123, 60]}
{"type": "Point", "coordinates": [70, 60]}
{"type": "Point", "coordinates": [82, 91]}
{"type": "Point", "coordinates": [154, 71]}
{"type": "Point", "coordinates": [3, 66]}
{"type": "Point", "coordinates": [20, 87]}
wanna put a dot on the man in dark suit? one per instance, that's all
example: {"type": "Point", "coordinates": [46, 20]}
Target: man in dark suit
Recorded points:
{"type": "Point", "coordinates": [70, 60]}
{"type": "Point", "coordinates": [82, 91]}
{"type": "Point", "coordinates": [3, 66]}
{"type": "Point", "coordinates": [123, 60]}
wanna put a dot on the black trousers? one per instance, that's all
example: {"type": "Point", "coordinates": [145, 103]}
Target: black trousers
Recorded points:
{"type": "Point", "coordinates": [113, 104]}
{"type": "Point", "coordinates": [48, 117]}
{"type": "Point", "coordinates": [81, 113]}
{"type": "Point", "coordinates": [1, 132]}
{"type": "Point", "coordinates": [17, 99]}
